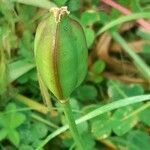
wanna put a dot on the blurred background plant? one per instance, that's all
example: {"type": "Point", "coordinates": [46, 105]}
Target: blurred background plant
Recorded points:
{"type": "Point", "coordinates": [119, 59]}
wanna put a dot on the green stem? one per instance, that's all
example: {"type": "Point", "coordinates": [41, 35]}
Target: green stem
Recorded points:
{"type": "Point", "coordinates": [72, 126]}
{"type": "Point", "coordinates": [39, 118]}
{"type": "Point", "coordinates": [31, 103]}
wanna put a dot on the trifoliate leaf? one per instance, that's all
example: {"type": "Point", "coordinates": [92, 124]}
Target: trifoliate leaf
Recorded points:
{"type": "Point", "coordinates": [138, 140]}
{"type": "Point", "coordinates": [90, 36]}
{"type": "Point", "coordinates": [101, 126]}
{"type": "Point", "coordinates": [87, 92]}
{"type": "Point", "coordinates": [89, 17]}
{"type": "Point", "coordinates": [121, 122]}
{"type": "Point", "coordinates": [144, 116]}
{"type": "Point", "coordinates": [3, 134]}
{"type": "Point", "coordinates": [14, 137]}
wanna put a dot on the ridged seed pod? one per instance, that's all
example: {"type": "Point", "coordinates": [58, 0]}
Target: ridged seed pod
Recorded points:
{"type": "Point", "coordinates": [61, 53]}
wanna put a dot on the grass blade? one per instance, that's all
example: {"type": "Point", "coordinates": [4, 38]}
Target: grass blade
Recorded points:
{"type": "Point", "coordinates": [96, 112]}
{"type": "Point", "coordinates": [123, 19]}
{"type": "Point", "coordinates": [140, 64]}
{"type": "Point", "coordinates": [18, 68]}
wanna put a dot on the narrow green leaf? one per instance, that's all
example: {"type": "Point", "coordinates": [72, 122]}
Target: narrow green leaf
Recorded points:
{"type": "Point", "coordinates": [96, 112]}
{"type": "Point", "coordinates": [143, 68]}
{"type": "Point", "coordinates": [18, 68]}
{"type": "Point", "coordinates": [124, 19]}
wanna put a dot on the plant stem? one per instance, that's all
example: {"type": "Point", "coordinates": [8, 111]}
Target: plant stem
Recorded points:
{"type": "Point", "coordinates": [72, 126]}
{"type": "Point", "coordinates": [31, 103]}
{"type": "Point", "coordinates": [39, 118]}
{"type": "Point", "coordinates": [101, 110]}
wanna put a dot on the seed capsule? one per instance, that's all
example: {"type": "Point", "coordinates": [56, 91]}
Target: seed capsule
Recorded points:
{"type": "Point", "coordinates": [61, 53]}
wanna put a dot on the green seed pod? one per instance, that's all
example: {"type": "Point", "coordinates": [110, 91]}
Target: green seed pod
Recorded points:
{"type": "Point", "coordinates": [61, 53]}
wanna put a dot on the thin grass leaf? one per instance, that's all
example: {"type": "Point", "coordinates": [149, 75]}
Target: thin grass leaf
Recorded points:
{"type": "Point", "coordinates": [123, 19]}
{"type": "Point", "coordinates": [96, 112]}
{"type": "Point", "coordinates": [18, 68]}
{"type": "Point", "coordinates": [140, 64]}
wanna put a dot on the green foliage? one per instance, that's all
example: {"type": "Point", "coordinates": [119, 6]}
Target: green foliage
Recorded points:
{"type": "Point", "coordinates": [60, 3]}
{"type": "Point", "coordinates": [143, 34]}
{"type": "Point", "coordinates": [116, 90]}
{"type": "Point", "coordinates": [101, 126]}
{"type": "Point", "coordinates": [88, 18]}
{"type": "Point", "coordinates": [144, 116]}
{"type": "Point", "coordinates": [39, 130]}
{"type": "Point", "coordinates": [138, 140]}
{"type": "Point", "coordinates": [19, 68]}
{"type": "Point", "coordinates": [87, 138]}
{"type": "Point", "coordinates": [32, 134]}
{"type": "Point", "coordinates": [90, 36]}
{"type": "Point", "coordinates": [73, 5]}
{"type": "Point", "coordinates": [10, 120]}
{"type": "Point", "coordinates": [87, 92]}
{"type": "Point", "coordinates": [104, 109]}
{"type": "Point", "coordinates": [135, 6]}
{"type": "Point", "coordinates": [98, 67]}
{"type": "Point", "coordinates": [25, 147]}
{"type": "Point", "coordinates": [121, 122]}
{"type": "Point", "coordinates": [96, 70]}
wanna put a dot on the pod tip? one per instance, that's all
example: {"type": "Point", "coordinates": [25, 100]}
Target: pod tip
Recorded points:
{"type": "Point", "coordinates": [58, 12]}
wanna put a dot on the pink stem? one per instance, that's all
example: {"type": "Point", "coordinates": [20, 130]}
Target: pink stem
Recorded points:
{"type": "Point", "coordinates": [125, 11]}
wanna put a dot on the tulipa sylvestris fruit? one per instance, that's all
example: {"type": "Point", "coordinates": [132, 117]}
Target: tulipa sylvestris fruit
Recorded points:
{"type": "Point", "coordinates": [61, 53]}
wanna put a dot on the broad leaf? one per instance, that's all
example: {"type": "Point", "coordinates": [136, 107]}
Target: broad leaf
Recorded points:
{"type": "Point", "coordinates": [3, 134]}
{"type": "Point", "coordinates": [121, 123]}
{"type": "Point", "coordinates": [138, 140]}
{"type": "Point", "coordinates": [89, 18]}
{"type": "Point", "coordinates": [14, 137]}
{"type": "Point", "coordinates": [101, 126]}
{"type": "Point", "coordinates": [87, 92]}
{"type": "Point", "coordinates": [145, 116]}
